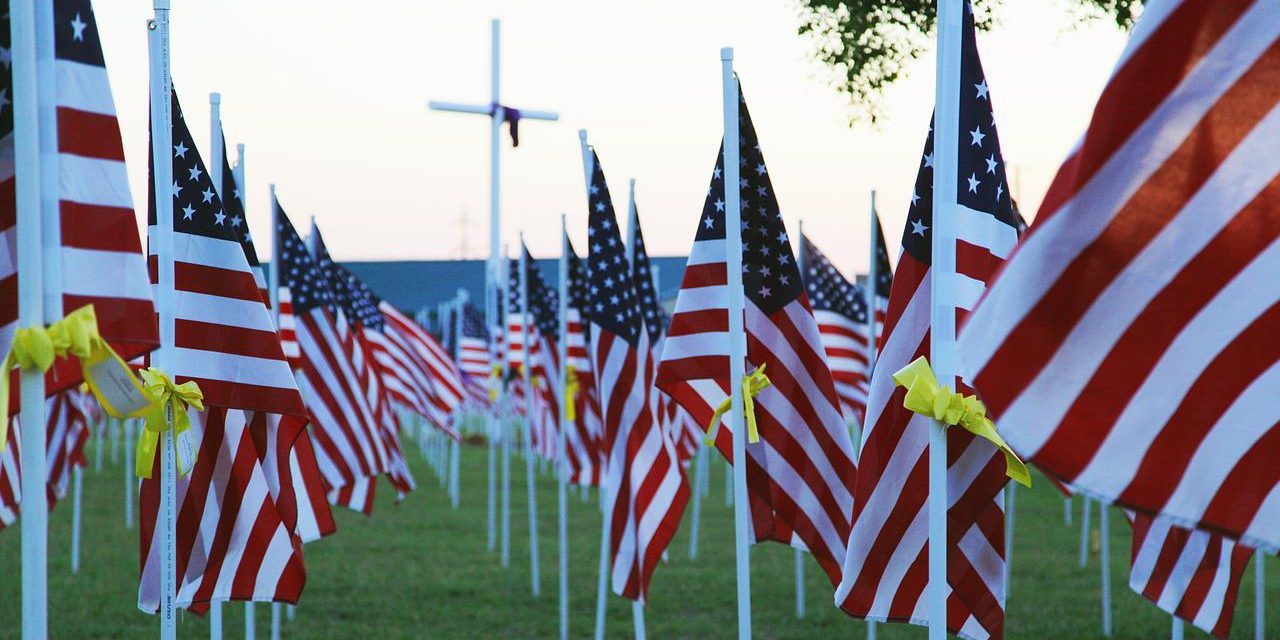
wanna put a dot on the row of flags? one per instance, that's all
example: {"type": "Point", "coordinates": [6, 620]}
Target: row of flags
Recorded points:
{"type": "Point", "coordinates": [1143, 280]}
{"type": "Point", "coordinates": [301, 390]}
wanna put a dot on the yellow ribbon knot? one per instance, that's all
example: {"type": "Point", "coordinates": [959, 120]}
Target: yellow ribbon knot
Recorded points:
{"type": "Point", "coordinates": [752, 384]}
{"type": "Point", "coordinates": [571, 387]}
{"type": "Point", "coordinates": [37, 348]}
{"type": "Point", "coordinates": [170, 397]}
{"type": "Point", "coordinates": [927, 398]}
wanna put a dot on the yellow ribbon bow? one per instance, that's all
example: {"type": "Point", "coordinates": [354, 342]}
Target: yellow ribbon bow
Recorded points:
{"type": "Point", "coordinates": [752, 384]}
{"type": "Point", "coordinates": [926, 397]}
{"type": "Point", "coordinates": [571, 387]}
{"type": "Point", "coordinates": [170, 397]}
{"type": "Point", "coordinates": [37, 348]}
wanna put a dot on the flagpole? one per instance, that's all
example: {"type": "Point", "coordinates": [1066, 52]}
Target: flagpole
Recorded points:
{"type": "Point", "coordinates": [1084, 533]}
{"type": "Point", "coordinates": [505, 427]}
{"type": "Point", "coordinates": [1104, 527]}
{"type": "Point", "coordinates": [455, 492]}
{"type": "Point", "coordinates": [637, 608]}
{"type": "Point", "coordinates": [737, 339]}
{"type": "Point", "coordinates": [699, 477]}
{"type": "Point", "coordinates": [942, 305]}
{"type": "Point", "coordinates": [799, 555]}
{"type": "Point", "coordinates": [29, 203]}
{"type": "Point", "coordinates": [162, 171]}
{"type": "Point", "coordinates": [77, 479]}
{"type": "Point", "coordinates": [1259, 596]}
{"type": "Point", "coordinates": [130, 480]}
{"type": "Point", "coordinates": [562, 496]}
{"type": "Point", "coordinates": [1010, 515]}
{"type": "Point", "coordinates": [527, 324]}
{"type": "Point", "coordinates": [215, 175]}
{"type": "Point", "coordinates": [602, 583]}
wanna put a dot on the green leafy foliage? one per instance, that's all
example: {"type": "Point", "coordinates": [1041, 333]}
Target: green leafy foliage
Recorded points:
{"type": "Point", "coordinates": [869, 43]}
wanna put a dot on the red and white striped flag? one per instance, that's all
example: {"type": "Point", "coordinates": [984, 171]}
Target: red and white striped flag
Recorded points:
{"type": "Point", "coordinates": [1128, 346]}
{"type": "Point", "coordinates": [228, 521]}
{"type": "Point", "coordinates": [442, 372]}
{"type": "Point", "coordinates": [1189, 573]}
{"type": "Point", "coordinates": [66, 431]}
{"type": "Point", "coordinates": [645, 488]}
{"type": "Point", "coordinates": [474, 366]}
{"type": "Point", "coordinates": [886, 569]}
{"type": "Point", "coordinates": [345, 426]}
{"type": "Point", "coordinates": [584, 438]}
{"type": "Point", "coordinates": [100, 258]}
{"type": "Point", "coordinates": [840, 307]}
{"type": "Point", "coordinates": [800, 474]}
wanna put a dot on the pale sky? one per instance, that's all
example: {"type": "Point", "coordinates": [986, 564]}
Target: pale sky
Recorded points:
{"type": "Point", "coordinates": [330, 101]}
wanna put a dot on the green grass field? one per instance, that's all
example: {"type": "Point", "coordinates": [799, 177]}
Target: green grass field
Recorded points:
{"type": "Point", "coordinates": [423, 570]}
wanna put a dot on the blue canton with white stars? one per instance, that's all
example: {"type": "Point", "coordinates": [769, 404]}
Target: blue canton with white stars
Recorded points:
{"type": "Point", "coordinates": [364, 302]}
{"type": "Point", "coordinates": [473, 323]}
{"type": "Point", "coordinates": [769, 273]}
{"type": "Point", "coordinates": [307, 285]}
{"type": "Point", "coordinates": [827, 288]}
{"type": "Point", "coordinates": [981, 185]}
{"type": "Point", "coordinates": [233, 206]}
{"type": "Point", "coordinates": [345, 294]}
{"type": "Point", "coordinates": [577, 281]}
{"type": "Point", "coordinates": [655, 317]}
{"type": "Point", "coordinates": [197, 209]}
{"type": "Point", "coordinates": [614, 304]}
{"type": "Point", "coordinates": [544, 301]}
{"type": "Point", "coordinates": [884, 273]}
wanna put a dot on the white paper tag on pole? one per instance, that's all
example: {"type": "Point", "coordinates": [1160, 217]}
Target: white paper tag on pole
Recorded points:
{"type": "Point", "coordinates": [116, 386]}
{"type": "Point", "coordinates": [184, 447]}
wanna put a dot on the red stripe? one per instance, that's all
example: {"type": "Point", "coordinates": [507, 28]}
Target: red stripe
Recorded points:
{"type": "Point", "coordinates": [92, 135]}
{"type": "Point", "coordinates": [88, 226]}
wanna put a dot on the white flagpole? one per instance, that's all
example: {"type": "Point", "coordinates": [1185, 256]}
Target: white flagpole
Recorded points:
{"type": "Point", "coordinates": [1010, 514]}
{"type": "Point", "coordinates": [942, 306]}
{"type": "Point", "coordinates": [699, 478]}
{"type": "Point", "coordinates": [164, 357]}
{"type": "Point", "coordinates": [250, 626]}
{"type": "Point", "coordinates": [275, 621]}
{"type": "Point", "coordinates": [28, 148]}
{"type": "Point", "coordinates": [602, 583]}
{"type": "Point", "coordinates": [1066, 511]}
{"type": "Point", "coordinates": [1175, 631]}
{"type": "Point", "coordinates": [454, 488]}
{"type": "Point", "coordinates": [637, 619]}
{"type": "Point", "coordinates": [505, 426]}
{"type": "Point", "coordinates": [562, 496]}
{"type": "Point", "coordinates": [115, 444]}
{"type": "Point", "coordinates": [737, 339]}
{"type": "Point", "coordinates": [728, 484]}
{"type": "Point", "coordinates": [1104, 527]}
{"type": "Point", "coordinates": [1259, 596]}
{"type": "Point", "coordinates": [98, 439]}
{"type": "Point", "coordinates": [527, 324]}
{"type": "Point", "coordinates": [799, 555]}
{"type": "Point", "coordinates": [77, 478]}
{"type": "Point", "coordinates": [215, 175]}
{"type": "Point", "coordinates": [130, 480]}
{"type": "Point", "coordinates": [1084, 532]}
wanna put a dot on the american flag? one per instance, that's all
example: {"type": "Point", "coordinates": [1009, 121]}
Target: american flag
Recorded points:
{"type": "Point", "coordinates": [800, 474]}
{"type": "Point", "coordinates": [229, 522]}
{"type": "Point", "coordinates": [840, 307]}
{"type": "Point", "coordinates": [100, 257]}
{"type": "Point", "coordinates": [884, 277]}
{"type": "Point", "coordinates": [645, 488]}
{"type": "Point", "coordinates": [1189, 573]}
{"type": "Point", "coordinates": [473, 356]}
{"type": "Point", "coordinates": [544, 313]}
{"type": "Point", "coordinates": [66, 431]}
{"type": "Point", "coordinates": [585, 436]}
{"type": "Point", "coordinates": [345, 429]}
{"type": "Point", "coordinates": [233, 206]}
{"type": "Point", "coordinates": [886, 570]}
{"type": "Point", "coordinates": [519, 322]}
{"type": "Point", "coordinates": [1128, 346]}
{"type": "Point", "coordinates": [446, 384]}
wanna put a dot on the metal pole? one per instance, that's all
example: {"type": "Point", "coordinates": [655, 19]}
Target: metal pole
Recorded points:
{"type": "Point", "coordinates": [602, 581]}
{"type": "Point", "coordinates": [275, 621]}
{"type": "Point", "coordinates": [30, 202]}
{"type": "Point", "coordinates": [562, 496]}
{"type": "Point", "coordinates": [1175, 631]}
{"type": "Point", "coordinates": [737, 339]}
{"type": "Point", "coordinates": [799, 583]}
{"type": "Point", "coordinates": [529, 462]}
{"type": "Point", "coordinates": [699, 478]}
{"type": "Point", "coordinates": [942, 309]}
{"type": "Point", "coordinates": [1104, 527]}
{"type": "Point", "coordinates": [1010, 514]}
{"type": "Point", "coordinates": [505, 428]}
{"type": "Point", "coordinates": [637, 619]}
{"type": "Point", "coordinates": [1259, 596]}
{"type": "Point", "coordinates": [250, 628]}
{"type": "Point", "coordinates": [215, 175]}
{"type": "Point", "coordinates": [77, 478]}
{"type": "Point", "coordinates": [162, 170]}
{"type": "Point", "coordinates": [1066, 511]}
{"type": "Point", "coordinates": [1084, 533]}
{"type": "Point", "coordinates": [130, 481]}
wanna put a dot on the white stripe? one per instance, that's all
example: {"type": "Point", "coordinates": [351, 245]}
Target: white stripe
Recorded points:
{"type": "Point", "coordinates": [84, 87]}
{"type": "Point", "coordinates": [985, 230]}
{"type": "Point", "coordinates": [706, 252]}
{"type": "Point", "coordinates": [104, 274]}
{"type": "Point", "coordinates": [94, 181]}
{"type": "Point", "coordinates": [217, 310]}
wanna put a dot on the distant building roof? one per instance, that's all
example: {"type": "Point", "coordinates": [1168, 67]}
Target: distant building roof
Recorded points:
{"type": "Point", "coordinates": [411, 285]}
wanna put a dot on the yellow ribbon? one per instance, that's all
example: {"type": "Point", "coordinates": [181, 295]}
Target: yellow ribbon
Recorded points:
{"type": "Point", "coordinates": [927, 398]}
{"type": "Point", "coordinates": [495, 379]}
{"type": "Point", "coordinates": [37, 348]}
{"type": "Point", "coordinates": [752, 384]}
{"type": "Point", "coordinates": [571, 394]}
{"type": "Point", "coordinates": [169, 397]}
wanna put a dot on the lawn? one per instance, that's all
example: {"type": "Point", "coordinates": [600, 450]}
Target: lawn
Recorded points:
{"type": "Point", "coordinates": [422, 570]}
